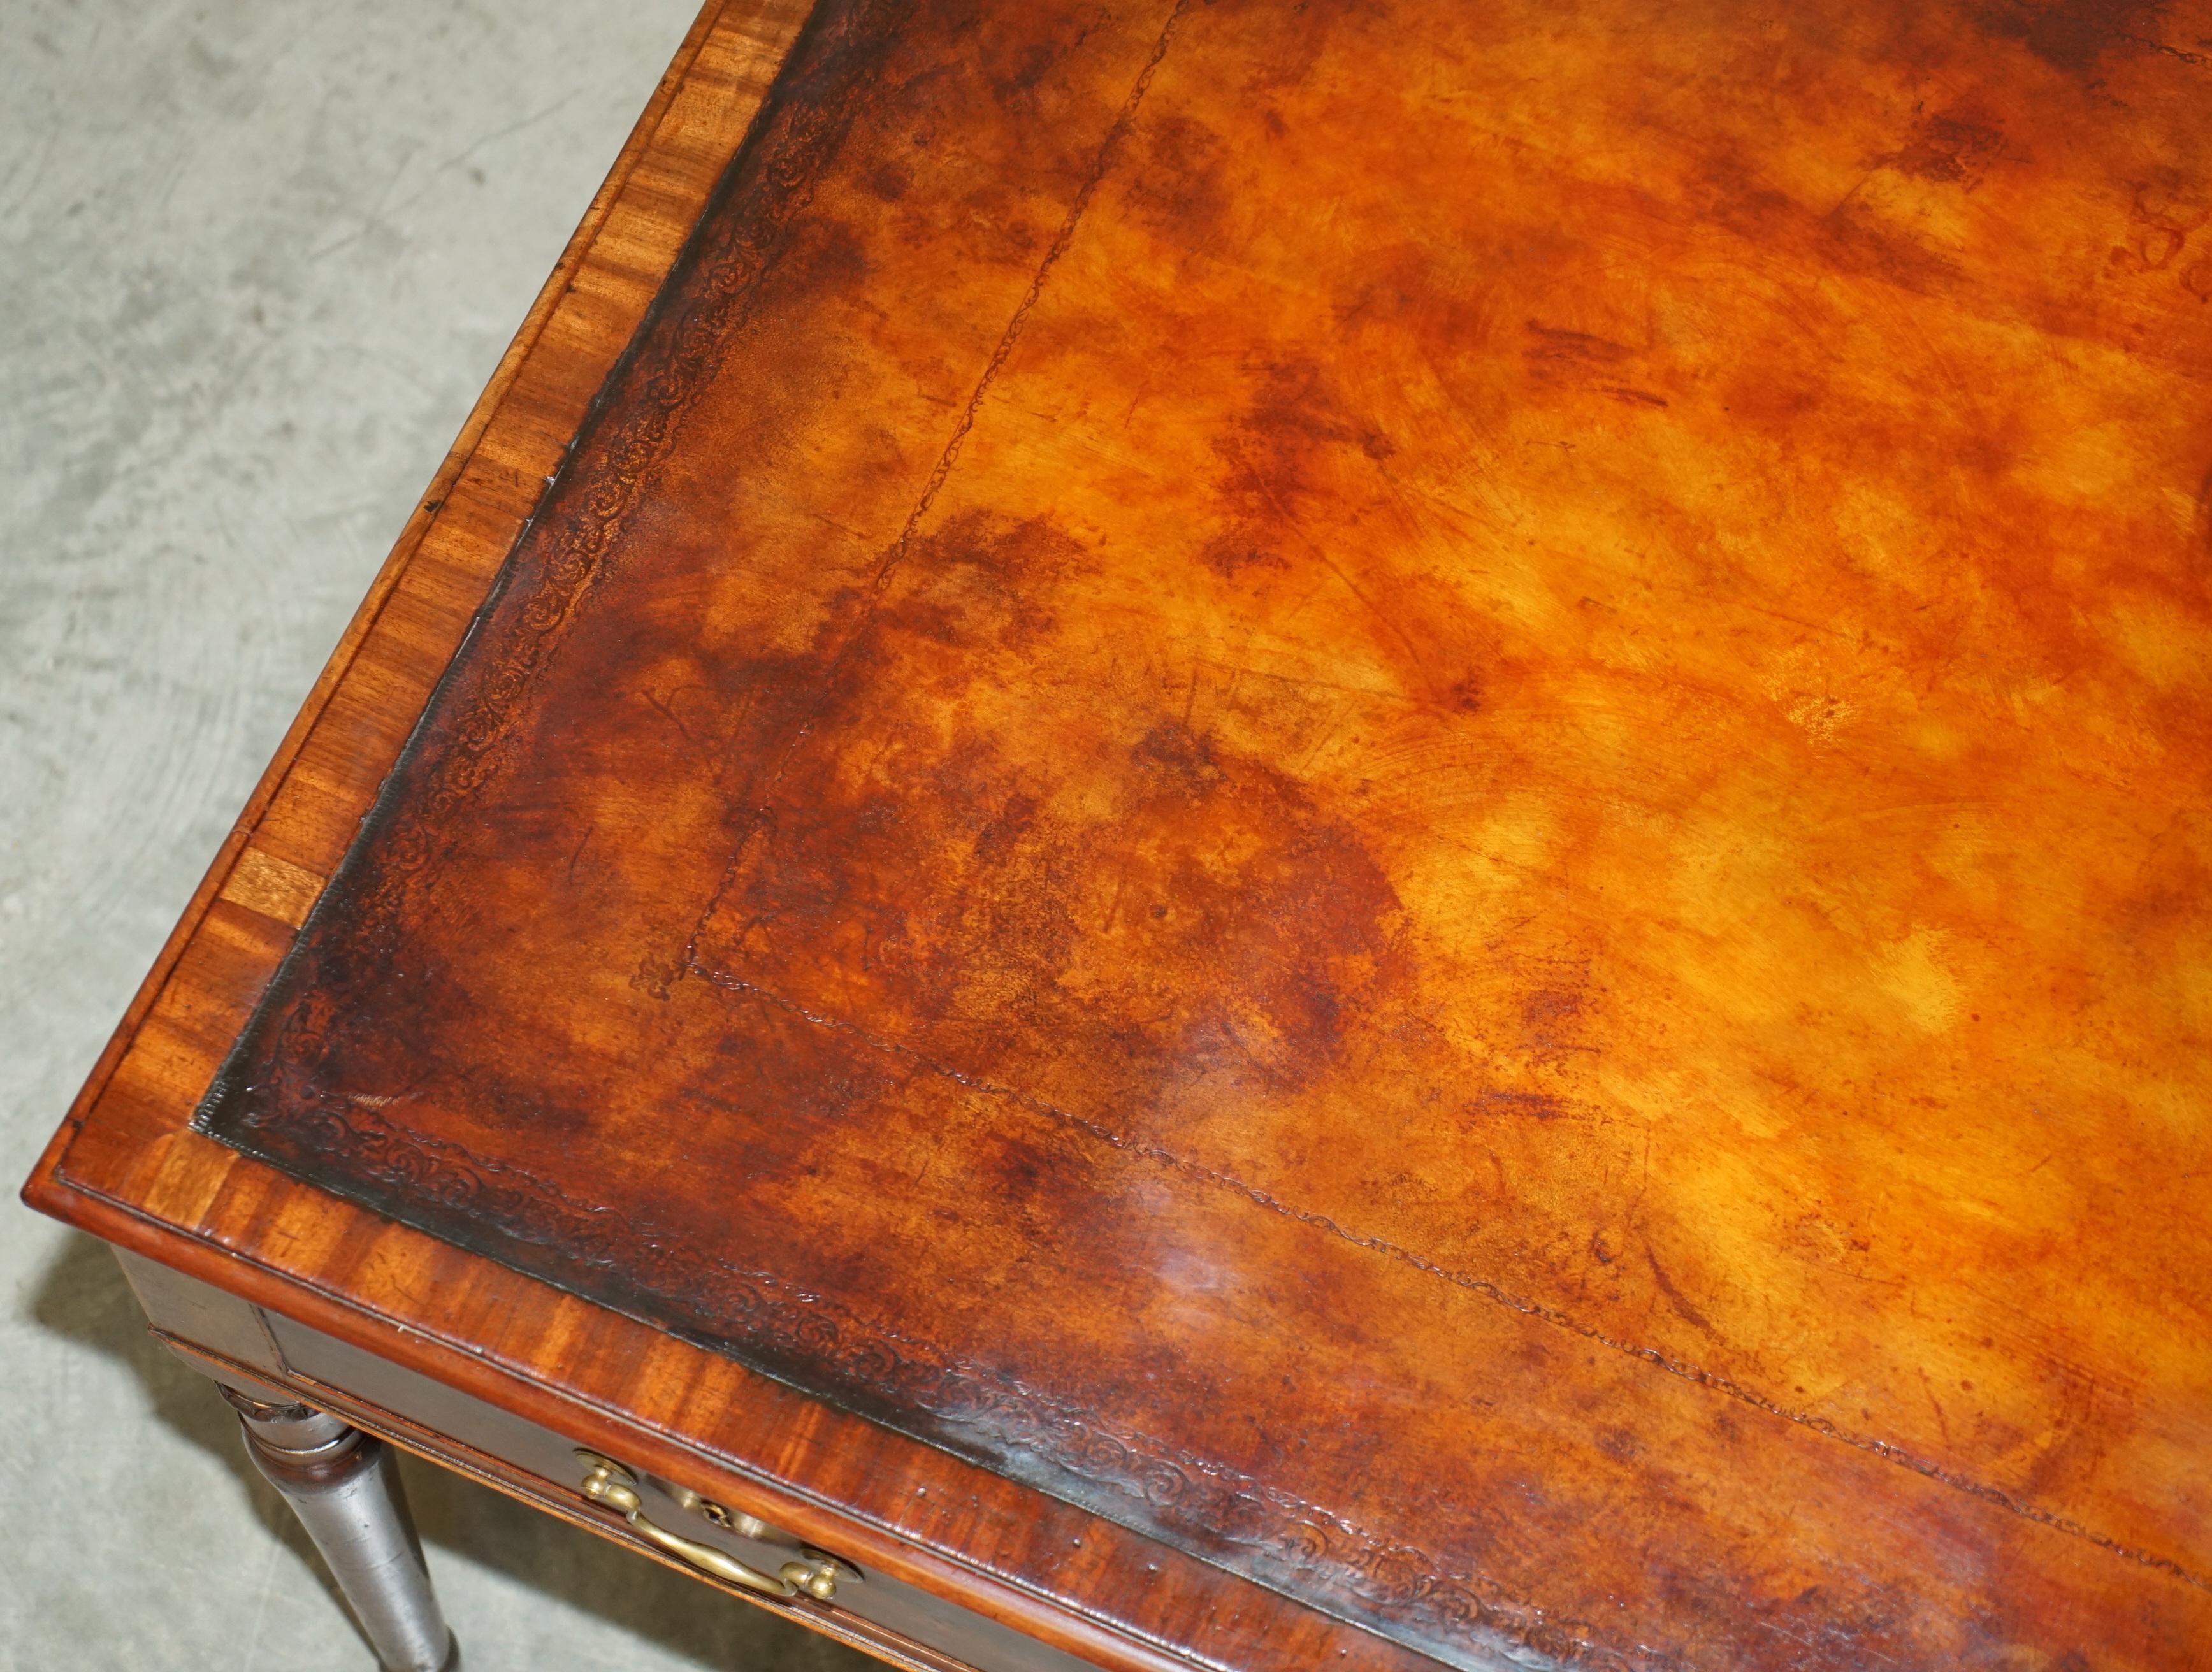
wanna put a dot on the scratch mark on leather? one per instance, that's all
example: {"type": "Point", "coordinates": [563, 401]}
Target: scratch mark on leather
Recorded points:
{"type": "Point", "coordinates": [895, 554]}
{"type": "Point", "coordinates": [1682, 1368]}
{"type": "Point", "coordinates": [1687, 1312]}
{"type": "Point", "coordinates": [2156, 45]}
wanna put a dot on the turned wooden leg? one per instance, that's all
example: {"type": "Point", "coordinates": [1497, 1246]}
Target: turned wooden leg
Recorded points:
{"type": "Point", "coordinates": [343, 1486]}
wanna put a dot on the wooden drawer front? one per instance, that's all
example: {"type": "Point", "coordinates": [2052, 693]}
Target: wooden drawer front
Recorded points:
{"type": "Point", "coordinates": [219, 1333]}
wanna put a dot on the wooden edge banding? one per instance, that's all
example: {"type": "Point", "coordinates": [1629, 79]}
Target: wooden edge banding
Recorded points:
{"type": "Point", "coordinates": [275, 887]}
{"type": "Point", "coordinates": [419, 523]}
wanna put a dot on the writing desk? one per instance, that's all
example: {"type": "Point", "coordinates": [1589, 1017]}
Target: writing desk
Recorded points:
{"type": "Point", "coordinates": [1222, 835]}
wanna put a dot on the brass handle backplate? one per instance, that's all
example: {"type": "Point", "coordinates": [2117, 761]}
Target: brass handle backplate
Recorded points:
{"type": "Point", "coordinates": [611, 1484]}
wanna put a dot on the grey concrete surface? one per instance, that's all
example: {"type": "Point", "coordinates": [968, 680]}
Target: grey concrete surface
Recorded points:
{"type": "Point", "coordinates": [256, 257]}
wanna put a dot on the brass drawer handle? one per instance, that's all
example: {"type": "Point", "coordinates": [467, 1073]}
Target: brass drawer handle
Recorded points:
{"type": "Point", "coordinates": [611, 1484]}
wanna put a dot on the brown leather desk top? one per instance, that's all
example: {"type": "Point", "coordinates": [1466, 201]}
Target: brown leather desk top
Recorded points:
{"type": "Point", "coordinates": [1413, 794]}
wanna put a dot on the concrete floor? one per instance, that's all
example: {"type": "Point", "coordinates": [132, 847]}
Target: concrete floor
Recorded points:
{"type": "Point", "coordinates": [257, 256]}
